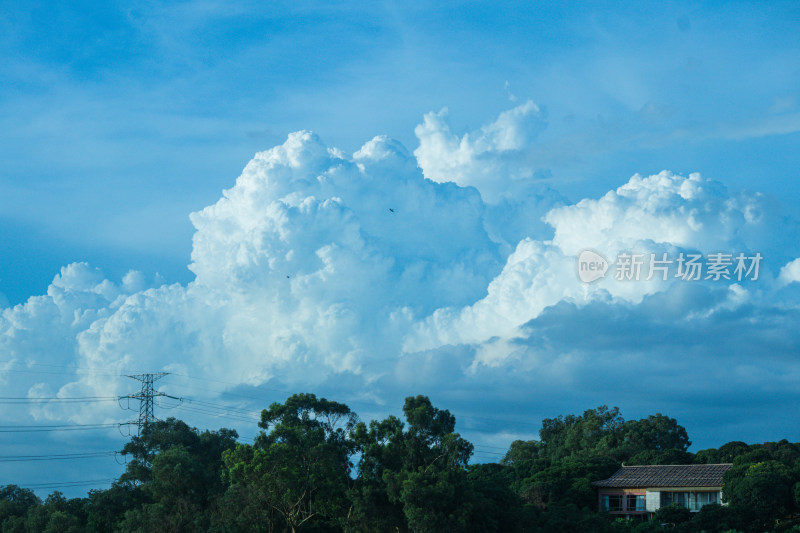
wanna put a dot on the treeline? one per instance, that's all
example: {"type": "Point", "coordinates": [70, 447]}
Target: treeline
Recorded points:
{"type": "Point", "coordinates": [316, 468]}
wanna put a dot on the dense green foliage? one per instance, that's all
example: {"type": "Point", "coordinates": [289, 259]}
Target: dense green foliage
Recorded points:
{"type": "Point", "coordinates": [316, 468]}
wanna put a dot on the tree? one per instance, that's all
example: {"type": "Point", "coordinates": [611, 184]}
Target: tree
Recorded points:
{"type": "Point", "coordinates": [760, 492]}
{"type": "Point", "coordinates": [57, 515]}
{"type": "Point", "coordinates": [162, 435]}
{"type": "Point", "coordinates": [240, 510]}
{"type": "Point", "coordinates": [15, 502]}
{"type": "Point", "coordinates": [300, 469]}
{"type": "Point", "coordinates": [522, 452]}
{"type": "Point", "coordinates": [413, 476]}
{"type": "Point", "coordinates": [381, 448]}
{"type": "Point", "coordinates": [496, 507]}
{"type": "Point", "coordinates": [179, 488]}
{"type": "Point", "coordinates": [431, 483]}
{"type": "Point", "coordinates": [714, 518]}
{"type": "Point", "coordinates": [725, 454]}
{"type": "Point", "coordinates": [674, 513]}
{"type": "Point", "coordinates": [596, 431]}
{"type": "Point", "coordinates": [107, 507]}
{"type": "Point", "coordinates": [567, 480]}
{"type": "Point", "coordinates": [174, 476]}
{"type": "Point", "coordinates": [656, 433]}
{"type": "Point", "coordinates": [661, 457]}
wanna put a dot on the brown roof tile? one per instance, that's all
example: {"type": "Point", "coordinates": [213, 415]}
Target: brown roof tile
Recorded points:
{"type": "Point", "coordinates": [666, 476]}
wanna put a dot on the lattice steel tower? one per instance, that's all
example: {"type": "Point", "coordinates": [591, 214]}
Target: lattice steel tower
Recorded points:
{"type": "Point", "coordinates": [145, 397]}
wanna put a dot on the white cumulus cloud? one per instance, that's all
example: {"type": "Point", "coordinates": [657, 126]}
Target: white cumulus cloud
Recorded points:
{"type": "Point", "coordinates": [790, 272]}
{"type": "Point", "coordinates": [381, 269]}
{"type": "Point", "coordinates": [491, 159]}
{"type": "Point", "coordinates": [314, 263]}
{"type": "Point", "coordinates": [663, 213]}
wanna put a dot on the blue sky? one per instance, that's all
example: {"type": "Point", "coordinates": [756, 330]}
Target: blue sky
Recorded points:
{"type": "Point", "coordinates": [119, 120]}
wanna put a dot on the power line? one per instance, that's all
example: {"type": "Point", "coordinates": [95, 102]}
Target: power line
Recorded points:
{"type": "Point", "coordinates": [256, 412]}
{"type": "Point", "coordinates": [228, 393]}
{"type": "Point", "coordinates": [93, 371]}
{"type": "Point", "coordinates": [231, 416]}
{"type": "Point", "coordinates": [65, 484]}
{"type": "Point", "coordinates": [229, 383]}
{"type": "Point", "coordinates": [148, 397]}
{"type": "Point", "coordinates": [73, 369]}
{"type": "Point", "coordinates": [55, 399]}
{"type": "Point", "coordinates": [200, 406]}
{"type": "Point", "coordinates": [495, 447]}
{"type": "Point", "coordinates": [54, 457]}
{"type": "Point", "coordinates": [54, 427]}
{"type": "Point", "coordinates": [481, 452]}
{"type": "Point", "coordinates": [18, 371]}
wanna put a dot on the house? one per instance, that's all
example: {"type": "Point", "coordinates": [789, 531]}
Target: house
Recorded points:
{"type": "Point", "coordinates": [637, 491]}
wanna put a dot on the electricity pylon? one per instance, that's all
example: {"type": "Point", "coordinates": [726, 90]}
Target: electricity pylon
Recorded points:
{"type": "Point", "coordinates": [145, 397]}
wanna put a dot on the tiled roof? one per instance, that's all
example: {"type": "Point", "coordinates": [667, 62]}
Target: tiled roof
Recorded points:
{"type": "Point", "coordinates": [666, 476]}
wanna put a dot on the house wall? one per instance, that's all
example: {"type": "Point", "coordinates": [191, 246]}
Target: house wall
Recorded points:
{"type": "Point", "coordinates": [653, 500]}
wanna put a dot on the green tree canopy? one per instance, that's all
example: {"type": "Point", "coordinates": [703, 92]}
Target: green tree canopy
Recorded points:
{"type": "Point", "coordinates": [300, 468]}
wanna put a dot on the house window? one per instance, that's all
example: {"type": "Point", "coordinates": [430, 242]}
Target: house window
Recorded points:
{"type": "Point", "coordinates": [635, 502]}
{"type": "Point", "coordinates": [705, 498]}
{"type": "Point", "coordinates": [611, 502]}
{"type": "Point", "coordinates": [694, 501]}
{"type": "Point", "coordinates": [668, 498]}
